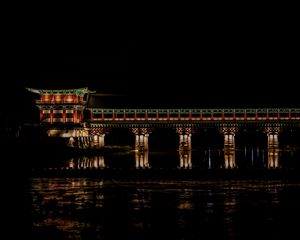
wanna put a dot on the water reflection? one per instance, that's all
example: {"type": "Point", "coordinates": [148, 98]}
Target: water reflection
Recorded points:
{"type": "Point", "coordinates": [273, 157]}
{"type": "Point", "coordinates": [83, 208]}
{"type": "Point", "coordinates": [273, 146]}
{"type": "Point", "coordinates": [87, 162]}
{"type": "Point", "coordinates": [185, 157]}
{"type": "Point", "coordinates": [141, 159]}
{"type": "Point", "coordinates": [229, 146]}
{"type": "Point", "coordinates": [227, 158]}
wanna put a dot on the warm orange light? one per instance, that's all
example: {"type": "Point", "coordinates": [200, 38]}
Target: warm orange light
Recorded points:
{"type": "Point", "coordinates": [58, 98]}
{"type": "Point", "coordinates": [69, 98]}
{"type": "Point", "coordinates": [46, 97]}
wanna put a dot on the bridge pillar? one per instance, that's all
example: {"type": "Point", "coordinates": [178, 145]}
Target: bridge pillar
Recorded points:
{"type": "Point", "coordinates": [141, 159]}
{"type": "Point", "coordinates": [82, 138]}
{"type": "Point", "coordinates": [141, 138]}
{"type": "Point", "coordinates": [185, 138]}
{"type": "Point", "coordinates": [229, 146]}
{"type": "Point", "coordinates": [273, 145]}
{"type": "Point", "coordinates": [98, 134]}
{"type": "Point", "coordinates": [71, 141]}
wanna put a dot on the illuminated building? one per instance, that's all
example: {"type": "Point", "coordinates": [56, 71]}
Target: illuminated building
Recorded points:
{"type": "Point", "coordinates": [62, 114]}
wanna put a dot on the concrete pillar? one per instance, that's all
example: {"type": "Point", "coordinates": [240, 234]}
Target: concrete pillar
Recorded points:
{"type": "Point", "coordinates": [71, 142]}
{"type": "Point", "coordinates": [146, 144]}
{"type": "Point", "coordinates": [189, 141]}
{"type": "Point", "coordinates": [98, 135]}
{"type": "Point", "coordinates": [273, 145]}
{"type": "Point", "coordinates": [139, 142]}
{"type": "Point", "coordinates": [101, 140]}
{"type": "Point", "coordinates": [95, 141]}
{"type": "Point", "coordinates": [229, 146]}
{"type": "Point", "coordinates": [185, 138]}
{"type": "Point", "coordinates": [141, 139]}
{"type": "Point", "coordinates": [181, 139]}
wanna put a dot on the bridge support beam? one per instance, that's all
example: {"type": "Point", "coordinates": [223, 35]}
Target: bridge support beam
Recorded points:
{"type": "Point", "coordinates": [185, 146]}
{"type": "Point", "coordinates": [80, 138]}
{"type": "Point", "coordinates": [98, 141]}
{"type": "Point", "coordinates": [185, 138]}
{"type": "Point", "coordinates": [98, 134]}
{"type": "Point", "coordinates": [229, 146]}
{"type": "Point", "coordinates": [273, 145]}
{"type": "Point", "coordinates": [141, 138]}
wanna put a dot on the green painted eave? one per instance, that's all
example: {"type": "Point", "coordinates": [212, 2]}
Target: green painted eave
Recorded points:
{"type": "Point", "coordinates": [195, 111]}
{"type": "Point", "coordinates": [76, 91]}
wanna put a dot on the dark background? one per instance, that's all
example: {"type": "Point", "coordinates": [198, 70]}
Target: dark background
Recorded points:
{"type": "Point", "coordinates": [233, 56]}
{"type": "Point", "coordinates": [207, 58]}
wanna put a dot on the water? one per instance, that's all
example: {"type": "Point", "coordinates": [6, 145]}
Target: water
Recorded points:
{"type": "Point", "coordinates": [214, 159]}
{"type": "Point", "coordinates": [84, 208]}
{"type": "Point", "coordinates": [167, 195]}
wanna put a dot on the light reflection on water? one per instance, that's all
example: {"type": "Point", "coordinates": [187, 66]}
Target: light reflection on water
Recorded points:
{"type": "Point", "coordinates": [96, 208]}
{"type": "Point", "coordinates": [248, 158]}
{"type": "Point", "coordinates": [84, 208]}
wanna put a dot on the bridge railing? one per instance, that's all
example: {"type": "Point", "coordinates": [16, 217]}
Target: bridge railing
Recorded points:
{"type": "Point", "coordinates": [194, 114]}
{"type": "Point", "coordinates": [54, 102]}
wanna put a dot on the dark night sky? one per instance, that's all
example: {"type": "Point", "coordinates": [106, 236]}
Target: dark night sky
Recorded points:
{"type": "Point", "coordinates": [233, 60]}
{"type": "Point", "coordinates": [225, 57]}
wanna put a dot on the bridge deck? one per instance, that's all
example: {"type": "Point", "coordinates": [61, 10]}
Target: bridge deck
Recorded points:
{"type": "Point", "coordinates": [194, 116]}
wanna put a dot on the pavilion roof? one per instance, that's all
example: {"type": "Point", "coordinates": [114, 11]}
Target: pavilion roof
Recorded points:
{"type": "Point", "coordinates": [77, 91]}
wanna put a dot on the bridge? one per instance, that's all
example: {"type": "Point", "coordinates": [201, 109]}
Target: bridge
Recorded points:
{"type": "Point", "coordinates": [67, 113]}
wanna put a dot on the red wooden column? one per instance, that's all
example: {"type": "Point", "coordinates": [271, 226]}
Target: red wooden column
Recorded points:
{"type": "Point", "coordinates": [41, 115]}
{"type": "Point", "coordinates": [51, 116]}
{"type": "Point", "coordinates": [79, 113]}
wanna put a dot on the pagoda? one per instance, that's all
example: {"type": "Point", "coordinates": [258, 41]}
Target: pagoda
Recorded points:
{"type": "Point", "coordinates": [61, 106]}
